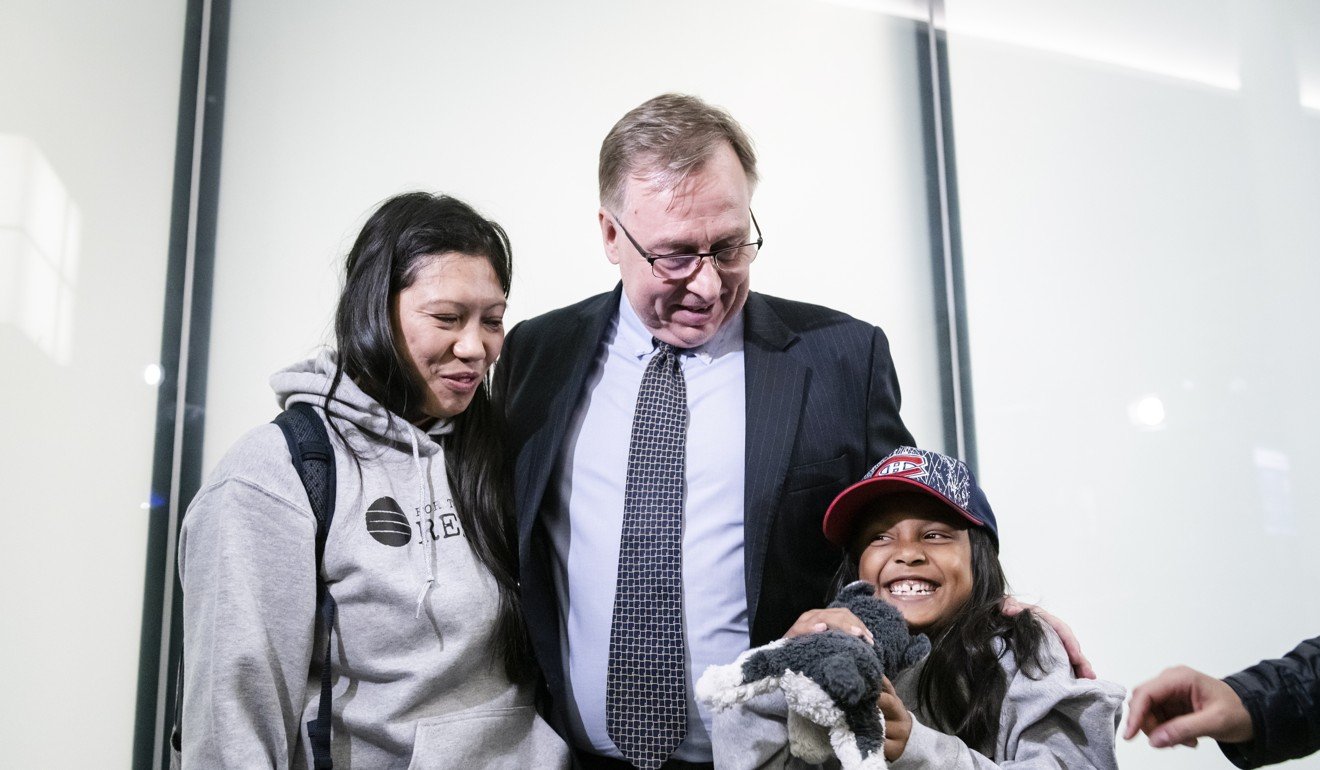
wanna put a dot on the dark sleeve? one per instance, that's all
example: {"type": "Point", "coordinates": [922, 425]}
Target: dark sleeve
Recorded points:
{"type": "Point", "coordinates": [885, 429]}
{"type": "Point", "coordinates": [1283, 698]}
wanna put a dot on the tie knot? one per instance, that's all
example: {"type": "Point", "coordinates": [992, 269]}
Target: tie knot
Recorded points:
{"type": "Point", "coordinates": [667, 358]}
{"type": "Point", "coordinates": [663, 349]}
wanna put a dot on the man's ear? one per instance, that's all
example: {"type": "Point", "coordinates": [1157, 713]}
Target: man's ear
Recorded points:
{"type": "Point", "coordinates": [609, 235]}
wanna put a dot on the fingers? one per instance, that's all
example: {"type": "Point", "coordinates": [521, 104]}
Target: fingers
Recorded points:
{"type": "Point", "coordinates": [890, 704]}
{"type": "Point", "coordinates": [1183, 704]}
{"type": "Point", "coordinates": [1150, 706]}
{"type": "Point", "coordinates": [1138, 709]}
{"type": "Point", "coordinates": [1141, 715]}
{"type": "Point", "coordinates": [1156, 701]}
{"type": "Point", "coordinates": [888, 686]}
{"type": "Point", "coordinates": [1182, 730]}
{"type": "Point", "coordinates": [898, 721]}
{"type": "Point", "coordinates": [1082, 668]}
{"type": "Point", "coordinates": [834, 618]}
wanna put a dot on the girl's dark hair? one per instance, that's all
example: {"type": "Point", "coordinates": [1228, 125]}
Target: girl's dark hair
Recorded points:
{"type": "Point", "coordinates": [962, 686]}
{"type": "Point", "coordinates": [398, 240]}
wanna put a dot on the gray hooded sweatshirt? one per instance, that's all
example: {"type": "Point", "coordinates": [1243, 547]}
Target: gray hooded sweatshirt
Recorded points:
{"type": "Point", "coordinates": [1049, 720]}
{"type": "Point", "coordinates": [417, 682]}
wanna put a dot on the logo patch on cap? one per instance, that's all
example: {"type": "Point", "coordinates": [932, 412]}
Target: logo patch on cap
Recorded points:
{"type": "Point", "coordinates": [908, 466]}
{"type": "Point", "coordinates": [908, 469]}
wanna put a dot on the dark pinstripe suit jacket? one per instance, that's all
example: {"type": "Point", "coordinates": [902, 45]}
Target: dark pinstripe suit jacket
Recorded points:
{"type": "Point", "coordinates": [822, 406]}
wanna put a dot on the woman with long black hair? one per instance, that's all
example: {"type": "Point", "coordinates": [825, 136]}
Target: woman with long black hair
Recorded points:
{"type": "Point", "coordinates": [428, 656]}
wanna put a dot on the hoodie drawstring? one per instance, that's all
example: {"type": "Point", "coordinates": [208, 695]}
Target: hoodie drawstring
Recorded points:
{"type": "Point", "coordinates": [426, 538]}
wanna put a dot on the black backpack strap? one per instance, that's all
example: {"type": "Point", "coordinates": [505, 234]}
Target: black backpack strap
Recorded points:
{"type": "Point", "coordinates": [314, 459]}
{"type": "Point", "coordinates": [176, 734]}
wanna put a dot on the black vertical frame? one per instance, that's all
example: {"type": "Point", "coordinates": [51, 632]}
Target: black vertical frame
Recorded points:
{"type": "Point", "coordinates": [185, 342]}
{"type": "Point", "coordinates": [945, 237]}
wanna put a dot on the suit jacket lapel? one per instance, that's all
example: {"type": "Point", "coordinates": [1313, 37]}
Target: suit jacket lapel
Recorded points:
{"type": "Point", "coordinates": [775, 383]}
{"type": "Point", "coordinates": [579, 344]}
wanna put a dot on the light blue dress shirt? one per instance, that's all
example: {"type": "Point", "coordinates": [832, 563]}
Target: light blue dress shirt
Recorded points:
{"type": "Point", "coordinates": [585, 525]}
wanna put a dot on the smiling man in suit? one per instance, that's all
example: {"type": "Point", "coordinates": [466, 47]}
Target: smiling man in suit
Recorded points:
{"type": "Point", "coordinates": [676, 442]}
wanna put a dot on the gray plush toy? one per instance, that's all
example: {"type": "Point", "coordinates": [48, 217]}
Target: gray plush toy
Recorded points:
{"type": "Point", "coordinates": [829, 679]}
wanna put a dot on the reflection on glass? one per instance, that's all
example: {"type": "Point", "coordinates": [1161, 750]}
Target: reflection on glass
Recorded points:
{"type": "Point", "coordinates": [153, 374]}
{"type": "Point", "coordinates": [1147, 412]}
{"type": "Point", "coordinates": [1194, 51]}
{"type": "Point", "coordinates": [1276, 500]}
{"type": "Point", "coordinates": [40, 226]}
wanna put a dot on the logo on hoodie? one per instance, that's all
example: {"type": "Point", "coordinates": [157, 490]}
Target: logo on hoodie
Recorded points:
{"type": "Point", "coordinates": [387, 523]}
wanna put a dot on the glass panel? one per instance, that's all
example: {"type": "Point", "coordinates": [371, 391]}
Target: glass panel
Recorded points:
{"type": "Point", "coordinates": [88, 110]}
{"type": "Point", "coordinates": [1139, 185]}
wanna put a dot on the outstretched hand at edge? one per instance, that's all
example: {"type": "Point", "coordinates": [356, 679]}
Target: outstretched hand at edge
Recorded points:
{"type": "Point", "coordinates": [1183, 704]}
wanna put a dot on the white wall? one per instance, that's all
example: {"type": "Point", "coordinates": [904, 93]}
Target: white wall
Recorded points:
{"type": "Point", "coordinates": [88, 109]}
{"type": "Point", "coordinates": [333, 107]}
{"type": "Point", "coordinates": [1139, 188]}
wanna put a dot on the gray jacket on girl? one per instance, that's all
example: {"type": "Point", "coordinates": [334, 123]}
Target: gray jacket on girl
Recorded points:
{"type": "Point", "coordinates": [417, 681]}
{"type": "Point", "coordinates": [1055, 721]}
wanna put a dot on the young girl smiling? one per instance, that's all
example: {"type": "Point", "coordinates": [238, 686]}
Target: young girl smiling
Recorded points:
{"type": "Point", "coordinates": [996, 690]}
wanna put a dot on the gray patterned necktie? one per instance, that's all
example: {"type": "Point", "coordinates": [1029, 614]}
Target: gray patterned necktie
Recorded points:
{"type": "Point", "coordinates": [646, 687]}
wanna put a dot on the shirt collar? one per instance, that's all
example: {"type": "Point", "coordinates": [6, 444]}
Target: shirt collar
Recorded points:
{"type": "Point", "coordinates": [634, 337]}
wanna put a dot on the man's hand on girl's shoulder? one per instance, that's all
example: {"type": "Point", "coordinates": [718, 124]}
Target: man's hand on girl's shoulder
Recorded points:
{"type": "Point", "coordinates": [1080, 665]}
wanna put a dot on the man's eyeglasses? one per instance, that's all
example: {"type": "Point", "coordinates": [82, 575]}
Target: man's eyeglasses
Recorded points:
{"type": "Point", "coordinates": [726, 260]}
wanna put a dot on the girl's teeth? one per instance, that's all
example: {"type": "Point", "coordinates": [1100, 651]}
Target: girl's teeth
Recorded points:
{"type": "Point", "coordinates": [911, 588]}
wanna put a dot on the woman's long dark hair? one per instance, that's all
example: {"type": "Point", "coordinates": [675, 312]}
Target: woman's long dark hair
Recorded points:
{"type": "Point", "coordinates": [962, 686]}
{"type": "Point", "coordinates": [397, 241]}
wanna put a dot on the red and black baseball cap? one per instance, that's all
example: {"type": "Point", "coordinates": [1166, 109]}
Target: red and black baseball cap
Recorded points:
{"type": "Point", "coordinates": [908, 469]}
